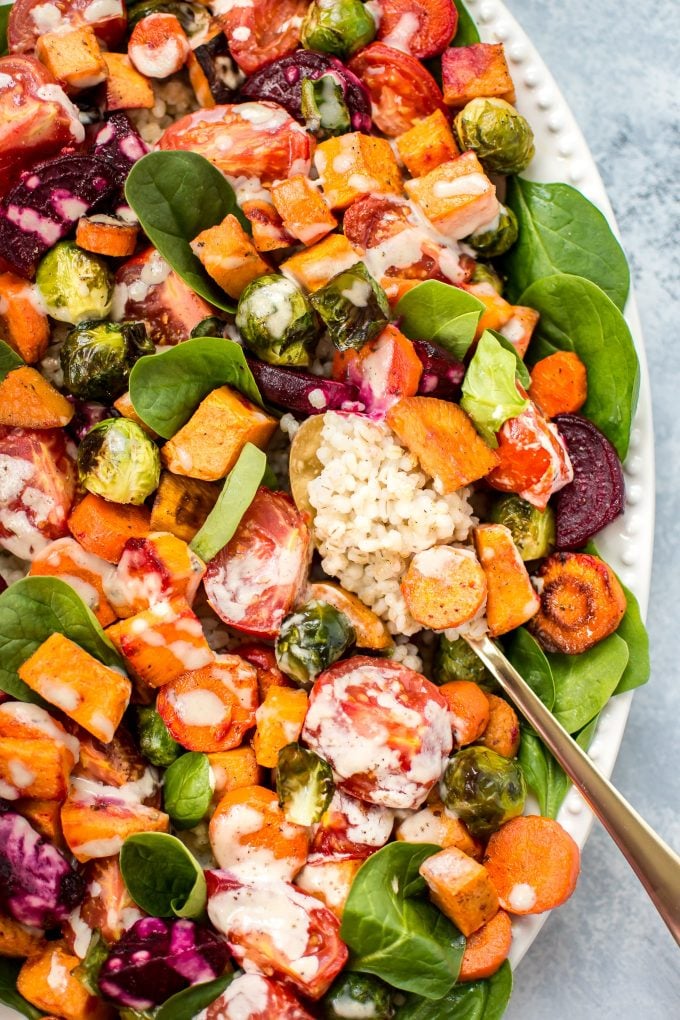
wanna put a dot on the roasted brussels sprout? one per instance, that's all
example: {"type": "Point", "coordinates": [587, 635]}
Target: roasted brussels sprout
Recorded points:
{"type": "Point", "coordinates": [455, 660]}
{"type": "Point", "coordinates": [311, 639]}
{"type": "Point", "coordinates": [118, 461]}
{"type": "Point", "coordinates": [276, 321]}
{"type": "Point", "coordinates": [97, 357]}
{"type": "Point", "coordinates": [324, 107]}
{"type": "Point", "coordinates": [155, 741]}
{"type": "Point", "coordinates": [497, 133]}
{"type": "Point", "coordinates": [483, 789]}
{"type": "Point", "coordinates": [484, 273]}
{"type": "Point", "coordinates": [353, 995]}
{"type": "Point", "coordinates": [354, 308]}
{"type": "Point", "coordinates": [533, 530]}
{"type": "Point", "coordinates": [304, 783]}
{"type": "Point", "coordinates": [75, 285]}
{"type": "Point", "coordinates": [340, 27]}
{"type": "Point", "coordinates": [497, 237]}
{"type": "Point", "coordinates": [212, 326]}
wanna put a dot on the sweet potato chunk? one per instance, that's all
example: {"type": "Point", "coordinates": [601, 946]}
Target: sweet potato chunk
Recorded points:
{"type": "Point", "coordinates": [519, 328]}
{"type": "Point", "coordinates": [84, 571]}
{"type": "Point", "coordinates": [153, 569]}
{"type": "Point", "coordinates": [303, 210]}
{"type": "Point", "coordinates": [457, 197]}
{"type": "Point", "coordinates": [47, 981]}
{"type": "Point", "coordinates": [461, 888]}
{"type": "Point", "coordinates": [34, 768]}
{"type": "Point", "coordinates": [29, 401]}
{"type": "Point", "coordinates": [444, 587]}
{"type": "Point", "coordinates": [18, 941]}
{"type": "Point", "coordinates": [74, 58]}
{"type": "Point", "coordinates": [269, 233]}
{"type": "Point", "coordinates": [208, 446]}
{"type": "Point", "coordinates": [478, 70]}
{"type": "Point", "coordinates": [356, 164]}
{"type": "Point", "coordinates": [511, 599]}
{"type": "Point", "coordinates": [126, 88]}
{"type": "Point", "coordinates": [229, 256]}
{"type": "Point", "coordinates": [98, 828]}
{"type": "Point", "coordinates": [23, 323]}
{"type": "Point", "coordinates": [103, 528]}
{"type": "Point", "coordinates": [234, 769]}
{"type": "Point", "coordinates": [314, 267]}
{"type": "Point", "coordinates": [434, 824]}
{"type": "Point", "coordinates": [279, 722]}
{"type": "Point", "coordinates": [497, 311]}
{"type": "Point", "coordinates": [181, 505]}
{"type": "Point", "coordinates": [44, 816]}
{"type": "Point", "coordinates": [502, 733]}
{"type": "Point", "coordinates": [427, 144]}
{"type": "Point", "coordinates": [329, 880]}
{"type": "Point", "coordinates": [267, 831]}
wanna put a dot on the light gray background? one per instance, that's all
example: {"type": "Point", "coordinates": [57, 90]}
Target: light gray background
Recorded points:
{"type": "Point", "coordinates": [606, 954]}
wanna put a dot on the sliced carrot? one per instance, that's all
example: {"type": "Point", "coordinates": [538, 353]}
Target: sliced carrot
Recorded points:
{"type": "Point", "coordinates": [280, 718]}
{"type": "Point", "coordinates": [234, 769]}
{"type": "Point", "coordinates": [533, 863]}
{"type": "Point", "coordinates": [249, 825]}
{"type": "Point", "coordinates": [511, 599]}
{"type": "Point", "coordinates": [487, 948]}
{"type": "Point", "coordinates": [444, 587]}
{"type": "Point", "coordinates": [84, 571]}
{"type": "Point", "coordinates": [153, 569]}
{"type": "Point", "coordinates": [23, 323]}
{"type": "Point", "coordinates": [106, 235]}
{"type": "Point", "coordinates": [461, 888]}
{"type": "Point", "coordinates": [98, 828]}
{"type": "Point", "coordinates": [502, 731]}
{"type": "Point", "coordinates": [29, 401]}
{"type": "Point", "coordinates": [103, 528]}
{"type": "Point", "coordinates": [582, 602]}
{"type": "Point", "coordinates": [444, 440]}
{"type": "Point", "coordinates": [468, 710]}
{"type": "Point", "coordinates": [559, 383]}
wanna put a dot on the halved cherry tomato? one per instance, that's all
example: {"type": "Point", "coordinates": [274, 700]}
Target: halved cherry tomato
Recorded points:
{"type": "Point", "coordinates": [259, 33]}
{"type": "Point", "coordinates": [401, 90]}
{"type": "Point", "coordinates": [30, 19]}
{"type": "Point", "coordinates": [108, 905]}
{"type": "Point", "coordinates": [250, 139]}
{"type": "Point", "coordinates": [253, 582]}
{"type": "Point", "coordinates": [422, 28]}
{"type": "Point", "coordinates": [256, 997]}
{"type": "Point", "coordinates": [374, 219]}
{"type": "Point", "coordinates": [263, 658]}
{"type": "Point", "coordinates": [351, 828]}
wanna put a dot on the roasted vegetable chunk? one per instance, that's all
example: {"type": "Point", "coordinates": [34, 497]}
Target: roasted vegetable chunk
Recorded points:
{"type": "Point", "coordinates": [276, 321]}
{"type": "Point", "coordinates": [311, 640]}
{"type": "Point", "coordinates": [483, 789]}
{"type": "Point", "coordinates": [353, 307]}
{"type": "Point", "coordinates": [118, 460]}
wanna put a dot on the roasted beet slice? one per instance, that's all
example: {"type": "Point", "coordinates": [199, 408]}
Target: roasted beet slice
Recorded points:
{"type": "Point", "coordinates": [442, 373]}
{"type": "Point", "coordinates": [47, 202]}
{"type": "Point", "coordinates": [301, 392]}
{"type": "Point", "coordinates": [597, 494]}
{"type": "Point", "coordinates": [119, 145]}
{"type": "Point", "coordinates": [281, 82]}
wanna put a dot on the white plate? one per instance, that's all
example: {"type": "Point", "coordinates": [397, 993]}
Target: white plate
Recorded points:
{"type": "Point", "coordinates": [562, 155]}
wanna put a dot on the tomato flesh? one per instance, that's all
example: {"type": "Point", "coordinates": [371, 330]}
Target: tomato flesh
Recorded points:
{"type": "Point", "coordinates": [401, 89]}
{"type": "Point", "coordinates": [423, 28]}
{"type": "Point", "coordinates": [258, 998]}
{"type": "Point", "coordinates": [534, 460]}
{"type": "Point", "coordinates": [258, 34]}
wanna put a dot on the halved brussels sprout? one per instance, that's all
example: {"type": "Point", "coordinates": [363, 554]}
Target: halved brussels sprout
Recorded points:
{"type": "Point", "coordinates": [455, 660]}
{"type": "Point", "coordinates": [212, 326]}
{"type": "Point", "coordinates": [118, 461]}
{"type": "Point", "coordinates": [75, 284]}
{"type": "Point", "coordinates": [497, 133]}
{"type": "Point", "coordinates": [155, 741]}
{"type": "Point", "coordinates": [276, 321]}
{"type": "Point", "coordinates": [340, 27]}
{"type": "Point", "coordinates": [311, 640]}
{"type": "Point", "coordinates": [354, 308]}
{"type": "Point", "coordinates": [497, 237]}
{"type": "Point", "coordinates": [304, 783]}
{"type": "Point", "coordinates": [358, 995]}
{"type": "Point", "coordinates": [533, 530]}
{"type": "Point", "coordinates": [484, 273]}
{"type": "Point", "coordinates": [483, 789]}
{"type": "Point", "coordinates": [324, 107]}
{"type": "Point", "coordinates": [97, 358]}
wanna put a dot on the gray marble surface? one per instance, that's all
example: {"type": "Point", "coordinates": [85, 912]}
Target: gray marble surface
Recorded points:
{"type": "Point", "coordinates": [606, 954]}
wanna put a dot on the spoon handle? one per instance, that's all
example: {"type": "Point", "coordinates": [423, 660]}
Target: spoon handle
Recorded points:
{"type": "Point", "coordinates": [655, 864]}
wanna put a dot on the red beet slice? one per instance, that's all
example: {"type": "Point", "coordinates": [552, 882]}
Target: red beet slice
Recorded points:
{"type": "Point", "coordinates": [442, 373]}
{"type": "Point", "coordinates": [597, 494]}
{"type": "Point", "coordinates": [117, 143]}
{"type": "Point", "coordinates": [300, 392]}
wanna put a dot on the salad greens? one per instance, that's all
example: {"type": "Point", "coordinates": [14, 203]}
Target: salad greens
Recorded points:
{"type": "Point", "coordinates": [87, 971]}
{"type": "Point", "coordinates": [186, 789]}
{"type": "Point", "coordinates": [237, 494]}
{"type": "Point", "coordinates": [185, 1005]}
{"type": "Point", "coordinates": [9, 971]}
{"type": "Point", "coordinates": [521, 370]}
{"type": "Point", "coordinates": [4, 18]}
{"type": "Point", "coordinates": [162, 876]}
{"type": "Point", "coordinates": [473, 1000]}
{"type": "Point", "coordinates": [466, 33]}
{"type": "Point", "coordinates": [444, 315]}
{"type": "Point", "coordinates": [529, 659]}
{"type": "Point", "coordinates": [545, 777]}
{"type": "Point", "coordinates": [9, 359]}
{"type": "Point", "coordinates": [584, 683]}
{"type": "Point", "coordinates": [490, 394]}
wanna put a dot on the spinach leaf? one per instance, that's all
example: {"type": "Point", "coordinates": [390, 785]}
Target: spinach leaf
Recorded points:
{"type": "Point", "coordinates": [466, 33]}
{"type": "Point", "coordinates": [473, 1000]}
{"type": "Point", "coordinates": [186, 789]}
{"type": "Point", "coordinates": [392, 929]}
{"type": "Point", "coordinates": [30, 611]}
{"type": "Point", "coordinates": [176, 195]}
{"type": "Point", "coordinates": [88, 970]}
{"type": "Point", "coordinates": [166, 389]}
{"type": "Point", "coordinates": [584, 683]}
{"type": "Point", "coordinates": [560, 231]}
{"type": "Point", "coordinates": [9, 359]}
{"type": "Point", "coordinates": [4, 19]}
{"type": "Point", "coordinates": [237, 494]}
{"type": "Point", "coordinates": [188, 1003]}
{"type": "Point", "coordinates": [521, 370]}
{"type": "Point", "coordinates": [162, 876]}
{"type": "Point", "coordinates": [439, 312]}
{"type": "Point", "coordinates": [545, 777]}
{"type": "Point", "coordinates": [490, 394]}
{"type": "Point", "coordinates": [9, 971]}
{"type": "Point", "coordinates": [529, 659]}
{"type": "Point", "coordinates": [577, 316]}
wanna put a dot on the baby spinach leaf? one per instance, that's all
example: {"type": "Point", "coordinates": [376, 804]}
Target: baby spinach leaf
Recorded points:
{"type": "Point", "coordinates": [560, 231]}
{"type": "Point", "coordinates": [521, 370]}
{"type": "Point", "coordinates": [490, 394]}
{"type": "Point", "coordinates": [9, 971]}
{"type": "Point", "coordinates": [473, 1000]}
{"type": "Point", "coordinates": [392, 929]}
{"type": "Point", "coordinates": [188, 1003]}
{"type": "Point", "coordinates": [166, 389]}
{"type": "Point", "coordinates": [584, 683]}
{"type": "Point", "coordinates": [577, 316]}
{"type": "Point", "coordinates": [176, 195]}
{"type": "Point", "coordinates": [88, 970]}
{"type": "Point", "coordinates": [439, 312]}
{"type": "Point", "coordinates": [162, 876]}
{"type": "Point", "coordinates": [466, 33]}
{"type": "Point", "coordinates": [30, 611]}
{"type": "Point", "coordinates": [9, 359]}
{"type": "Point", "coordinates": [237, 494]}
{"type": "Point", "coordinates": [529, 659]}
{"type": "Point", "coordinates": [545, 777]}
{"type": "Point", "coordinates": [4, 19]}
{"type": "Point", "coordinates": [186, 789]}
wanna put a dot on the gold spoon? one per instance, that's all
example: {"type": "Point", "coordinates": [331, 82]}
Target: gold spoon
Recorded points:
{"type": "Point", "coordinates": [655, 864]}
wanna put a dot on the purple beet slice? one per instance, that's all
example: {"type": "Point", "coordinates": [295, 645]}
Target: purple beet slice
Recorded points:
{"type": "Point", "coordinates": [300, 392]}
{"type": "Point", "coordinates": [442, 373]}
{"type": "Point", "coordinates": [597, 494]}
{"type": "Point", "coordinates": [119, 145]}
{"type": "Point", "coordinates": [45, 205]}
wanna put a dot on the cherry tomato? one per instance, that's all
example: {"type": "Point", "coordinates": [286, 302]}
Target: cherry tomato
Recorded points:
{"type": "Point", "coordinates": [258, 34]}
{"type": "Point", "coordinates": [253, 582]}
{"type": "Point", "coordinates": [108, 905]}
{"type": "Point", "coordinates": [350, 827]}
{"type": "Point", "coordinates": [250, 139]}
{"type": "Point", "coordinates": [423, 28]}
{"type": "Point", "coordinates": [401, 90]}
{"type": "Point", "coordinates": [38, 477]}
{"type": "Point", "coordinates": [277, 929]}
{"type": "Point", "coordinates": [30, 19]}
{"type": "Point", "coordinates": [534, 460]}
{"type": "Point", "coordinates": [262, 657]}
{"type": "Point", "coordinates": [383, 728]}
{"type": "Point", "coordinates": [256, 997]}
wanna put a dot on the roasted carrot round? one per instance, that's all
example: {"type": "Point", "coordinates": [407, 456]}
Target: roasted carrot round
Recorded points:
{"type": "Point", "coordinates": [105, 235]}
{"type": "Point", "coordinates": [582, 602]}
{"type": "Point", "coordinates": [559, 384]}
{"type": "Point", "coordinates": [248, 828]}
{"type": "Point", "coordinates": [487, 948]}
{"type": "Point", "coordinates": [468, 710]}
{"type": "Point", "coordinates": [502, 732]}
{"type": "Point", "coordinates": [444, 587]}
{"type": "Point", "coordinates": [533, 863]}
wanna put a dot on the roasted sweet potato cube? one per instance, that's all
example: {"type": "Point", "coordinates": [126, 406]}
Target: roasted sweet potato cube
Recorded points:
{"type": "Point", "coordinates": [103, 528]}
{"type": "Point", "coordinates": [477, 70]}
{"type": "Point", "coordinates": [162, 642]}
{"type": "Point", "coordinates": [88, 692]}
{"type": "Point", "coordinates": [44, 816]}
{"type": "Point", "coordinates": [34, 768]}
{"type": "Point", "coordinates": [126, 88]}
{"type": "Point", "coordinates": [456, 197]}
{"type": "Point", "coordinates": [20, 720]}
{"type": "Point", "coordinates": [23, 324]}
{"type": "Point", "coordinates": [18, 941]}
{"type": "Point", "coordinates": [461, 888]}
{"type": "Point", "coordinates": [269, 233]}
{"type": "Point", "coordinates": [511, 599]}
{"type": "Point", "coordinates": [330, 881]}
{"type": "Point", "coordinates": [497, 311]}
{"type": "Point", "coordinates": [98, 828]}
{"type": "Point", "coordinates": [74, 58]}
{"type": "Point", "coordinates": [29, 401]}
{"type": "Point", "coordinates": [314, 267]}
{"type": "Point", "coordinates": [208, 446]}
{"type": "Point", "coordinates": [229, 256]}
{"type": "Point", "coordinates": [356, 164]}
{"type": "Point", "coordinates": [434, 824]}
{"type": "Point", "coordinates": [303, 210]}
{"type": "Point", "coordinates": [519, 328]}
{"type": "Point", "coordinates": [84, 571]}
{"type": "Point", "coordinates": [234, 769]}
{"type": "Point", "coordinates": [126, 409]}
{"type": "Point", "coordinates": [151, 570]}
{"type": "Point", "coordinates": [47, 981]}
{"type": "Point", "coordinates": [279, 722]}
{"type": "Point", "coordinates": [181, 505]}
{"type": "Point", "coordinates": [427, 144]}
